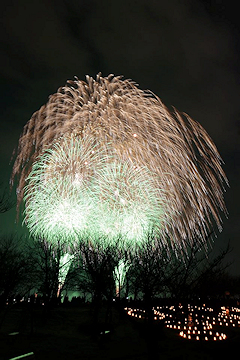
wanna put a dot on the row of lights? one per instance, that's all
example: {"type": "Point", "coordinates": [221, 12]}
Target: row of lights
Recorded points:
{"type": "Point", "coordinates": [198, 335]}
{"type": "Point", "coordinates": [140, 313]}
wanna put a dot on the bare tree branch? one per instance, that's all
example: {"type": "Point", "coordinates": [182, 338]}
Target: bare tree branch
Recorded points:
{"type": "Point", "coordinates": [6, 203]}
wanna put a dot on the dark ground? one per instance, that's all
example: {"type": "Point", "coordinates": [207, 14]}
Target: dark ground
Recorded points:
{"type": "Point", "coordinates": [68, 333]}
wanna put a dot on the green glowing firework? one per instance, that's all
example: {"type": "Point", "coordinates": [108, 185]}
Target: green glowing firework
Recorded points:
{"type": "Point", "coordinates": [129, 202]}
{"type": "Point", "coordinates": [105, 158]}
{"type": "Point", "coordinates": [91, 193]}
{"type": "Point", "coordinates": [58, 200]}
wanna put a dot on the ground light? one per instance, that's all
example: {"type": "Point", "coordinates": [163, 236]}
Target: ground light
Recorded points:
{"type": "Point", "coordinates": [26, 356]}
{"type": "Point", "coordinates": [197, 323]}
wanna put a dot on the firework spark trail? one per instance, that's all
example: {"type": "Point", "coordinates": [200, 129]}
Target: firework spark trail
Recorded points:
{"type": "Point", "coordinates": [134, 127]}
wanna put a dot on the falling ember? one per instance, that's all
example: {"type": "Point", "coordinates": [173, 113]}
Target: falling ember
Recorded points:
{"type": "Point", "coordinates": [105, 157]}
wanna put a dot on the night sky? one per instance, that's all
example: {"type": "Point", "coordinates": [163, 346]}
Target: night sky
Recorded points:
{"type": "Point", "coordinates": [187, 52]}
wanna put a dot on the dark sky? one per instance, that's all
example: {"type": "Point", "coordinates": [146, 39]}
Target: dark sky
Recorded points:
{"type": "Point", "coordinates": [187, 52]}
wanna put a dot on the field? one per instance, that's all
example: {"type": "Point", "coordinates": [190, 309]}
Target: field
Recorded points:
{"type": "Point", "coordinates": [68, 332]}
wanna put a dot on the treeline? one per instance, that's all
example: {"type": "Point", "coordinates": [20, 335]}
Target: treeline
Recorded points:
{"type": "Point", "coordinates": [105, 272]}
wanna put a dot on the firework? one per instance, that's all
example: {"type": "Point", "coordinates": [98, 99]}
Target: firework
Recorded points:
{"type": "Point", "coordinates": [90, 193]}
{"type": "Point", "coordinates": [57, 199]}
{"type": "Point", "coordinates": [105, 156]}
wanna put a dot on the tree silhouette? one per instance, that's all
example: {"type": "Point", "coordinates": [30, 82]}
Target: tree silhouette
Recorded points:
{"type": "Point", "coordinates": [6, 203]}
{"type": "Point", "coordinates": [14, 268]}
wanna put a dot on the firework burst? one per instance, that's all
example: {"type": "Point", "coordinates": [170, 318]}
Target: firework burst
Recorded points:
{"type": "Point", "coordinates": [105, 156]}
{"type": "Point", "coordinates": [90, 194]}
